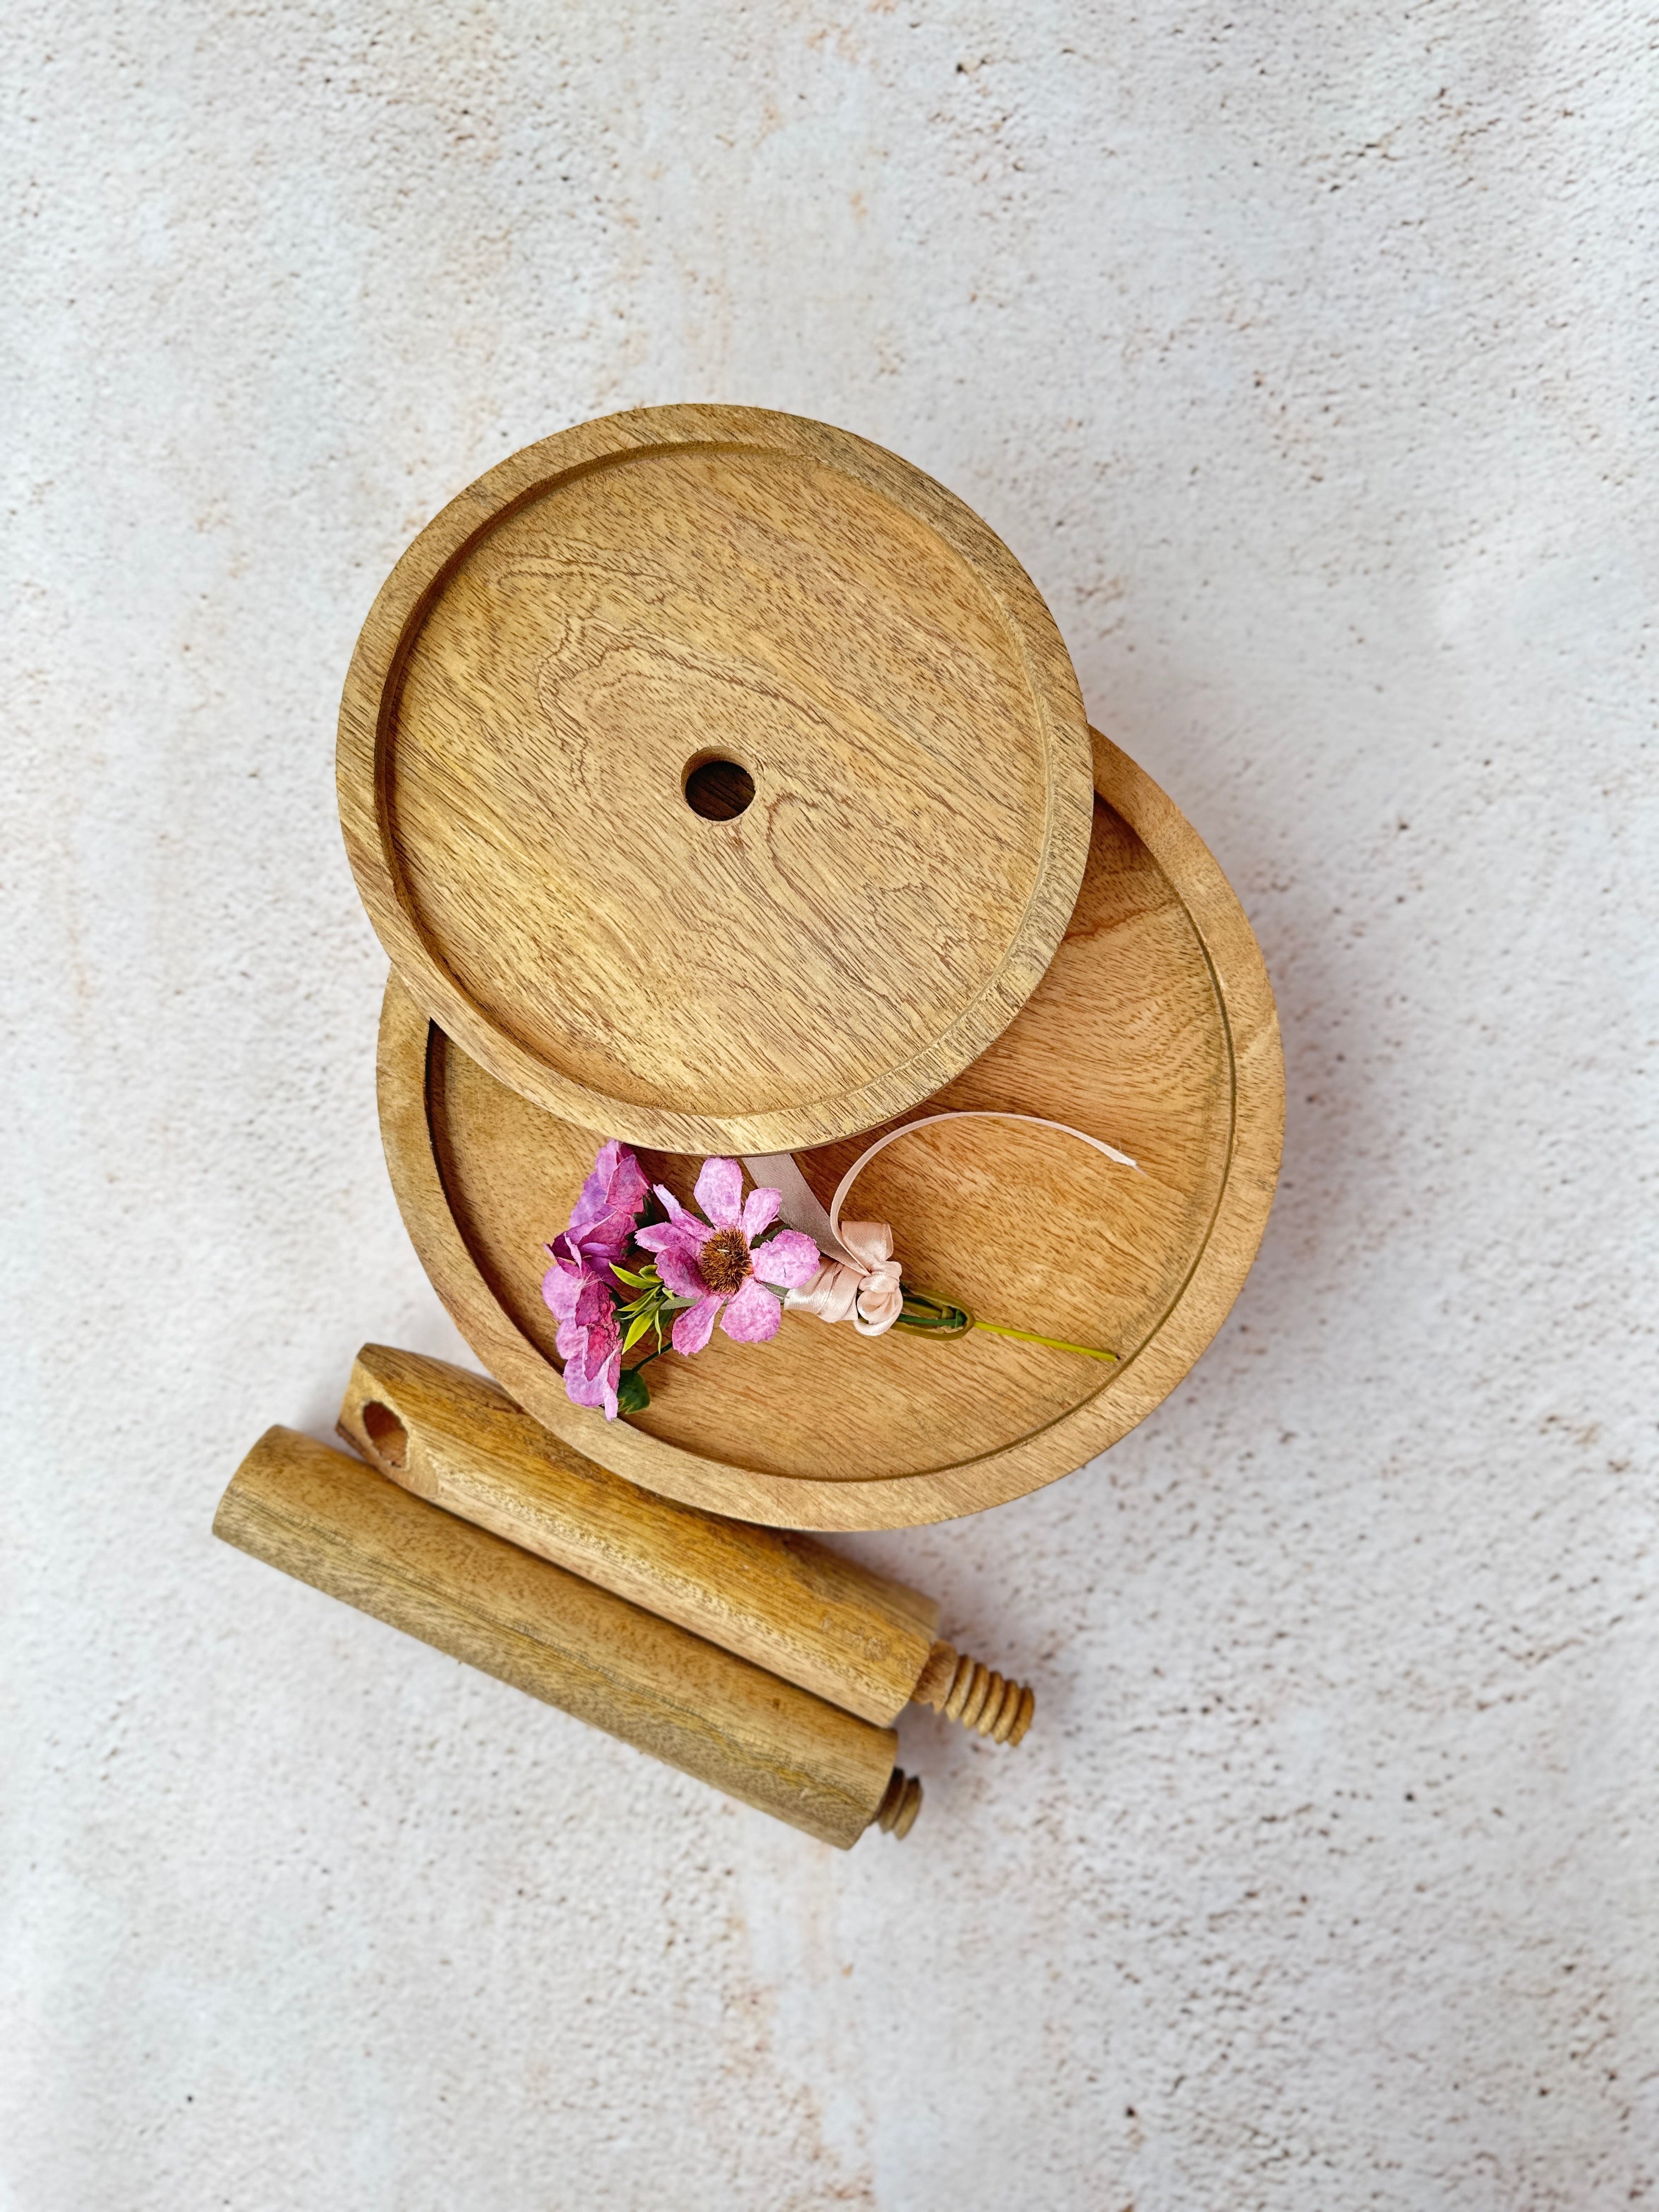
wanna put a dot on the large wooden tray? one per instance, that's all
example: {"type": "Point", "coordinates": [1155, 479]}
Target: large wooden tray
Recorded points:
{"type": "Point", "coordinates": [715, 779]}
{"type": "Point", "coordinates": [1154, 1029]}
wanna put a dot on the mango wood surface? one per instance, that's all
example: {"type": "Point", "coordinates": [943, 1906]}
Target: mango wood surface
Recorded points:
{"type": "Point", "coordinates": [564, 646]}
{"type": "Point", "coordinates": [335, 1523]}
{"type": "Point", "coordinates": [1154, 1029]}
{"type": "Point", "coordinates": [790, 1605]}
{"type": "Point", "coordinates": [823, 1622]}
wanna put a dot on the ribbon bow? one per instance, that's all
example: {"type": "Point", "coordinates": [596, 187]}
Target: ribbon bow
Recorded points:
{"type": "Point", "coordinates": [863, 1288]}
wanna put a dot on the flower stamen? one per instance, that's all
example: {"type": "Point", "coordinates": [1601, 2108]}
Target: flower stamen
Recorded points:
{"type": "Point", "coordinates": [724, 1262]}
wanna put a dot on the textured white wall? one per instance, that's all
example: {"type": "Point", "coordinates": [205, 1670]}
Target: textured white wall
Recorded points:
{"type": "Point", "coordinates": [1301, 353]}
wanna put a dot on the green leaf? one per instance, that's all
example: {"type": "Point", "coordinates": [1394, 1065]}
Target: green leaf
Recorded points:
{"type": "Point", "coordinates": [636, 1329]}
{"type": "Point", "coordinates": [632, 1395]}
{"type": "Point", "coordinates": [645, 1282]}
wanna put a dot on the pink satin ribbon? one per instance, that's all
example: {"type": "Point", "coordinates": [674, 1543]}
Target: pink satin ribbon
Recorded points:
{"type": "Point", "coordinates": [863, 1288]}
{"type": "Point", "coordinates": [860, 1278]}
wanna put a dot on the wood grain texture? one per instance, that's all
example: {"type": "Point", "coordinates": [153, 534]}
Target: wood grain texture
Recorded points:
{"type": "Point", "coordinates": [571, 637]}
{"type": "Point", "coordinates": [335, 1523]}
{"type": "Point", "coordinates": [1154, 1029]}
{"type": "Point", "coordinates": [825, 1623]}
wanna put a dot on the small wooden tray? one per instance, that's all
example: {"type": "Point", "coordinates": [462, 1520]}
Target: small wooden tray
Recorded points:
{"type": "Point", "coordinates": [715, 779]}
{"type": "Point", "coordinates": [1154, 1029]}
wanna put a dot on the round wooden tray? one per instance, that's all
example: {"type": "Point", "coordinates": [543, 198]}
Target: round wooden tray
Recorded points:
{"type": "Point", "coordinates": [1154, 1029]}
{"type": "Point", "coordinates": [715, 779]}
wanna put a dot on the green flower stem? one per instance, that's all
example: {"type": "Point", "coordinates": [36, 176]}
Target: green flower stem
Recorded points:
{"type": "Point", "coordinates": [929, 1315]}
{"type": "Point", "coordinates": [1053, 1343]}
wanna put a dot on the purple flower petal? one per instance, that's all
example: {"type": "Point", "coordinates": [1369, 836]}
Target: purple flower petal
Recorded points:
{"type": "Point", "coordinates": [693, 1329]}
{"type": "Point", "coordinates": [593, 1360]}
{"type": "Point", "coordinates": [677, 1244]}
{"type": "Point", "coordinates": [589, 1344]}
{"type": "Point", "coordinates": [597, 1387]}
{"type": "Point", "coordinates": [607, 1239]}
{"type": "Point", "coordinates": [583, 1359]}
{"type": "Point", "coordinates": [719, 1192]}
{"type": "Point", "coordinates": [788, 1259]}
{"type": "Point", "coordinates": [578, 1294]}
{"type": "Point", "coordinates": [580, 1388]}
{"type": "Point", "coordinates": [602, 1219]}
{"type": "Point", "coordinates": [611, 1378]}
{"type": "Point", "coordinates": [616, 1187]}
{"type": "Point", "coordinates": [670, 1204]}
{"type": "Point", "coordinates": [677, 1266]}
{"type": "Point", "coordinates": [753, 1315]}
{"type": "Point", "coordinates": [760, 1211]}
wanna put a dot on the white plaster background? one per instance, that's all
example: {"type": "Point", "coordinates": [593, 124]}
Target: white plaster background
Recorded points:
{"type": "Point", "coordinates": [1301, 352]}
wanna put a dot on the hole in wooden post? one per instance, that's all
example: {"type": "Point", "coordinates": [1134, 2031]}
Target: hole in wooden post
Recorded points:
{"type": "Point", "coordinates": [386, 1433]}
{"type": "Point", "coordinates": [719, 790]}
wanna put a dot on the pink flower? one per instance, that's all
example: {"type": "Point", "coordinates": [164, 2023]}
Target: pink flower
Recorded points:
{"type": "Point", "coordinates": [580, 1289]}
{"type": "Point", "coordinates": [602, 1219]}
{"type": "Point", "coordinates": [719, 1263]}
{"type": "Point", "coordinates": [589, 1345]}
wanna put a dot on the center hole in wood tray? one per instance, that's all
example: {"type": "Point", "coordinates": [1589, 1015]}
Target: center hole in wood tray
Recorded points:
{"type": "Point", "coordinates": [717, 789]}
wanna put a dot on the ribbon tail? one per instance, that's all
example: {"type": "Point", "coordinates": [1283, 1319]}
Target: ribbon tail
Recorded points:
{"type": "Point", "coordinates": [965, 1114]}
{"type": "Point", "coordinates": [858, 1260]}
{"type": "Point", "coordinates": [800, 1209]}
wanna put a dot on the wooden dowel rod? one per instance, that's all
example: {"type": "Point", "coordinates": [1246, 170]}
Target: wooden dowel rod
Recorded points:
{"type": "Point", "coordinates": [333, 1523]}
{"type": "Point", "coordinates": [789, 1603]}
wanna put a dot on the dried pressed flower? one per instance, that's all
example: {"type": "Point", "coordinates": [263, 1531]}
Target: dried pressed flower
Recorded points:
{"type": "Point", "coordinates": [720, 1262]}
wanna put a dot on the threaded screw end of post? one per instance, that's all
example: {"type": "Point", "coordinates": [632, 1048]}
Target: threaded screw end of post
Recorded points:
{"type": "Point", "coordinates": [896, 1815]}
{"type": "Point", "coordinates": [964, 1690]}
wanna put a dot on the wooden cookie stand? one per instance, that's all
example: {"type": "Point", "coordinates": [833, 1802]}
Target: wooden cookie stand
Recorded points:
{"type": "Point", "coordinates": [1153, 1029]}
{"type": "Point", "coordinates": [717, 781]}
